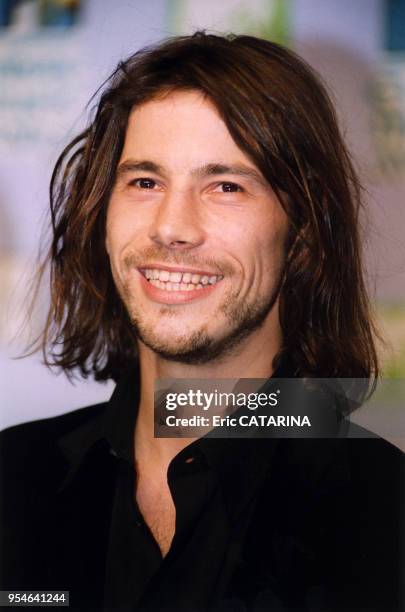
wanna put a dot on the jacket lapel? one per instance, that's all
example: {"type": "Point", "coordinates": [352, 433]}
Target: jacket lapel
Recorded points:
{"type": "Point", "coordinates": [83, 515]}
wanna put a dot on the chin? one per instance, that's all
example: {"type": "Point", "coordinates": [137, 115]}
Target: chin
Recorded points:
{"type": "Point", "coordinates": [176, 333]}
{"type": "Point", "coordinates": [178, 348]}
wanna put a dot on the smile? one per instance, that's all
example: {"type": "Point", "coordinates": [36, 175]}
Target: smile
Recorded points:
{"type": "Point", "coordinates": [179, 280]}
{"type": "Point", "coordinates": [168, 286]}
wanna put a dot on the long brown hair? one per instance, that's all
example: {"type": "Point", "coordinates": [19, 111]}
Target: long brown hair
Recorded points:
{"type": "Point", "coordinates": [279, 114]}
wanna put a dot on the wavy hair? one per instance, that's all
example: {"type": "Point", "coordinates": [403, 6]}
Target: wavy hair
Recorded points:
{"type": "Point", "coordinates": [279, 113]}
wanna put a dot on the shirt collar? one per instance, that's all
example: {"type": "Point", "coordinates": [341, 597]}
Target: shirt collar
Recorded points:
{"type": "Point", "coordinates": [239, 463]}
{"type": "Point", "coordinates": [109, 426]}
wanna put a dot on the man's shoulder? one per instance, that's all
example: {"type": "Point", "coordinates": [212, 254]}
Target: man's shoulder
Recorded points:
{"type": "Point", "coordinates": [330, 511]}
{"type": "Point", "coordinates": [37, 441]}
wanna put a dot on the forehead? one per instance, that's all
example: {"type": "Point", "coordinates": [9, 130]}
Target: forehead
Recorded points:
{"type": "Point", "coordinates": [181, 129]}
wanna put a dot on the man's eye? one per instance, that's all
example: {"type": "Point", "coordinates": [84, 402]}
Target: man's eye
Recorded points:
{"type": "Point", "coordinates": [143, 183]}
{"type": "Point", "coordinates": [229, 187]}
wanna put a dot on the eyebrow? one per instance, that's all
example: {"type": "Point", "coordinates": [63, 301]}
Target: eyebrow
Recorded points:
{"type": "Point", "coordinates": [213, 169]}
{"type": "Point", "coordinates": [131, 165]}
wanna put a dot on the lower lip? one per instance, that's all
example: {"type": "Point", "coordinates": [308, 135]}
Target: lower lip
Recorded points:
{"type": "Point", "coordinates": [175, 297]}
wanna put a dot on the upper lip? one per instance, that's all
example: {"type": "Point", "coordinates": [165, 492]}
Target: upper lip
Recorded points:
{"type": "Point", "coordinates": [177, 269]}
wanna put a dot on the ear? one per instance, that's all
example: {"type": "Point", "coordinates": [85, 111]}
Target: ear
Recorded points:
{"type": "Point", "coordinates": [106, 244]}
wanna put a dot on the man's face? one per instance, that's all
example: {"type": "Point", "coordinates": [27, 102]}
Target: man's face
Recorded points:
{"type": "Point", "coordinates": [195, 235]}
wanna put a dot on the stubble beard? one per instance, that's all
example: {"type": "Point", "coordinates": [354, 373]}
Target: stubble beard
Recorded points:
{"type": "Point", "coordinates": [200, 347]}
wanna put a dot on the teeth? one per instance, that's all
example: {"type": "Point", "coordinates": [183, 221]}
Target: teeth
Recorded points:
{"type": "Point", "coordinates": [175, 277]}
{"type": "Point", "coordinates": [178, 281]}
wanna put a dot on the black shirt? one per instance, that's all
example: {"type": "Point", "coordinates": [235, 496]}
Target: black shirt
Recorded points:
{"type": "Point", "coordinates": [199, 478]}
{"type": "Point", "coordinates": [135, 570]}
{"type": "Point", "coordinates": [261, 524]}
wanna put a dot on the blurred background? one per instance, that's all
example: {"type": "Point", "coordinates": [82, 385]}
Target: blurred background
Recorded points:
{"type": "Point", "coordinates": [55, 53]}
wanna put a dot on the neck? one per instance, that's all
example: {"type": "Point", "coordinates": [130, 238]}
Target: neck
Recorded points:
{"type": "Point", "coordinates": [253, 359]}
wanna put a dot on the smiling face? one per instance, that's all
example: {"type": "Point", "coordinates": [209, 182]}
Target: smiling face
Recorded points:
{"type": "Point", "coordinates": [195, 235]}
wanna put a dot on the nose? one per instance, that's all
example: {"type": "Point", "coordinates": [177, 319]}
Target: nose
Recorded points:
{"type": "Point", "coordinates": [177, 224]}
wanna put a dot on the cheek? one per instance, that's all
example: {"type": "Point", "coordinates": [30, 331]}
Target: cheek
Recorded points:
{"type": "Point", "coordinates": [107, 241]}
{"type": "Point", "coordinates": [110, 230]}
{"type": "Point", "coordinates": [270, 249]}
{"type": "Point", "coordinates": [121, 229]}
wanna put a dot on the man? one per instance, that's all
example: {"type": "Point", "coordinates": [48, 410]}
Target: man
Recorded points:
{"type": "Point", "coordinates": [204, 226]}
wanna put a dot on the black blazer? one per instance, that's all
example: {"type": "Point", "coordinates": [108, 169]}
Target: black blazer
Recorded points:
{"type": "Point", "coordinates": [325, 531]}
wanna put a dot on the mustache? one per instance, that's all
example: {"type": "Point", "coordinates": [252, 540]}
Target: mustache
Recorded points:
{"type": "Point", "coordinates": [152, 255]}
